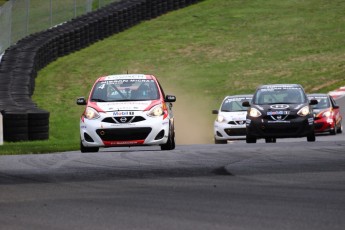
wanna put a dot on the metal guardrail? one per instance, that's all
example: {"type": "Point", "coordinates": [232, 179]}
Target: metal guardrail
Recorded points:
{"type": "Point", "coordinates": [20, 18]}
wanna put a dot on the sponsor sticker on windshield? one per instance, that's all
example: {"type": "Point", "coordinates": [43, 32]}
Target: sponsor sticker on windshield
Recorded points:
{"type": "Point", "coordinates": [125, 76]}
{"type": "Point", "coordinates": [238, 99]}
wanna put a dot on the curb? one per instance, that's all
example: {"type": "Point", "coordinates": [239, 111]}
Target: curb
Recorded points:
{"type": "Point", "coordinates": [338, 93]}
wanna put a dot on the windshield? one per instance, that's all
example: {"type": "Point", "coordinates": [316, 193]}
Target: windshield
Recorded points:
{"type": "Point", "coordinates": [234, 104]}
{"type": "Point", "coordinates": [322, 102]}
{"type": "Point", "coordinates": [125, 90]}
{"type": "Point", "coordinates": [281, 95]}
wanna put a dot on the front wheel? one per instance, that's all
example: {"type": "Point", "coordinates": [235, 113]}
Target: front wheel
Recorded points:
{"type": "Point", "coordinates": [311, 137]}
{"type": "Point", "coordinates": [340, 129]}
{"type": "Point", "coordinates": [84, 149]}
{"type": "Point", "coordinates": [220, 141]}
{"type": "Point", "coordinates": [270, 140]}
{"type": "Point", "coordinates": [170, 145]}
{"type": "Point", "coordinates": [250, 139]}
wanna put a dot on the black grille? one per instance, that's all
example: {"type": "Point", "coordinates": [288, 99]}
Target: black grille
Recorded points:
{"type": "Point", "coordinates": [124, 119]}
{"type": "Point", "coordinates": [160, 135]}
{"type": "Point", "coordinates": [236, 132]}
{"type": "Point", "coordinates": [88, 138]}
{"type": "Point", "coordinates": [128, 119]}
{"type": "Point", "coordinates": [277, 130]}
{"type": "Point", "coordinates": [123, 134]}
{"type": "Point", "coordinates": [237, 122]}
{"type": "Point", "coordinates": [137, 119]}
{"type": "Point", "coordinates": [318, 125]}
{"type": "Point", "coordinates": [283, 117]}
{"type": "Point", "coordinates": [108, 120]}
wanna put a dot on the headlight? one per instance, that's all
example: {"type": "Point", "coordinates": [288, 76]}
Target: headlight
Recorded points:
{"type": "Point", "coordinates": [304, 111]}
{"type": "Point", "coordinates": [91, 113]}
{"type": "Point", "coordinates": [254, 112]}
{"type": "Point", "coordinates": [156, 111]}
{"type": "Point", "coordinates": [220, 118]}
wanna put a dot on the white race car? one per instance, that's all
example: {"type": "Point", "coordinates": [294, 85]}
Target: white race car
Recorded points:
{"type": "Point", "coordinates": [230, 123]}
{"type": "Point", "coordinates": [127, 110]}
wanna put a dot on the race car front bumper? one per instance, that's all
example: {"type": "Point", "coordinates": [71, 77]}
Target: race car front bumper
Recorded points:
{"type": "Point", "coordinates": [263, 128]}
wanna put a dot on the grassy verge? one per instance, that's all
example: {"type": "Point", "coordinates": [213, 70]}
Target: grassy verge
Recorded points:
{"type": "Point", "coordinates": [200, 54]}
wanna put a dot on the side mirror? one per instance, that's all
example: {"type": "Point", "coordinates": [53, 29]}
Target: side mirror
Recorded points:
{"type": "Point", "coordinates": [246, 104]}
{"type": "Point", "coordinates": [81, 101]}
{"type": "Point", "coordinates": [336, 107]}
{"type": "Point", "coordinates": [215, 111]}
{"type": "Point", "coordinates": [313, 102]}
{"type": "Point", "coordinates": [170, 98]}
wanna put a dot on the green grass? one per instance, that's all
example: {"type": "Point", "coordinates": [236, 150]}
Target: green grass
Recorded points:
{"type": "Point", "coordinates": [200, 54]}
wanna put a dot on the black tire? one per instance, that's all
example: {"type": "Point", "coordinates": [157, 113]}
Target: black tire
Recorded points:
{"type": "Point", "coordinates": [38, 122]}
{"type": "Point", "coordinates": [15, 126]}
{"type": "Point", "coordinates": [170, 145]}
{"type": "Point", "coordinates": [333, 131]}
{"type": "Point", "coordinates": [39, 129]}
{"type": "Point", "coordinates": [38, 136]}
{"type": "Point", "coordinates": [340, 129]}
{"type": "Point", "coordinates": [16, 137]}
{"type": "Point", "coordinates": [270, 140]}
{"type": "Point", "coordinates": [38, 114]}
{"type": "Point", "coordinates": [311, 137]}
{"type": "Point", "coordinates": [15, 123]}
{"type": "Point", "coordinates": [84, 149]}
{"type": "Point", "coordinates": [220, 141]}
{"type": "Point", "coordinates": [250, 139]}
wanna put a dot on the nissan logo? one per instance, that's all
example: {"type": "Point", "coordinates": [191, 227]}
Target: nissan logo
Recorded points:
{"type": "Point", "coordinates": [279, 106]}
{"type": "Point", "coordinates": [123, 119]}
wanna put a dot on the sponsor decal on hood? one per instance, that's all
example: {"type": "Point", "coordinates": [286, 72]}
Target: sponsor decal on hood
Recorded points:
{"type": "Point", "coordinates": [279, 106]}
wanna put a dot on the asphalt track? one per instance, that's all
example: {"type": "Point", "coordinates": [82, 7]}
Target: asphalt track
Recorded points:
{"type": "Point", "coordinates": [291, 184]}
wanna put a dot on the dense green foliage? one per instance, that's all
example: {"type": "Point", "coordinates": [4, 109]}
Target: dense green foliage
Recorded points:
{"type": "Point", "coordinates": [200, 54]}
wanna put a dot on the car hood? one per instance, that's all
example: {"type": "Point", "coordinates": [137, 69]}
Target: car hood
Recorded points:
{"type": "Point", "coordinates": [124, 105]}
{"type": "Point", "coordinates": [234, 116]}
{"type": "Point", "coordinates": [317, 111]}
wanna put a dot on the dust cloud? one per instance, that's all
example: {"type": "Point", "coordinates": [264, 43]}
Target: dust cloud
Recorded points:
{"type": "Point", "coordinates": [193, 120]}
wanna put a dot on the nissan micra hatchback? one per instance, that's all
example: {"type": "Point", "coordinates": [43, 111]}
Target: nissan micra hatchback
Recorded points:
{"type": "Point", "coordinates": [127, 110]}
{"type": "Point", "coordinates": [327, 116]}
{"type": "Point", "coordinates": [230, 123]}
{"type": "Point", "coordinates": [279, 111]}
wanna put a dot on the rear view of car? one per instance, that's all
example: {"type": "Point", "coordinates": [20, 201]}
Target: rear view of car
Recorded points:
{"type": "Point", "coordinates": [279, 111]}
{"type": "Point", "coordinates": [327, 117]}
{"type": "Point", "coordinates": [230, 123]}
{"type": "Point", "coordinates": [127, 110]}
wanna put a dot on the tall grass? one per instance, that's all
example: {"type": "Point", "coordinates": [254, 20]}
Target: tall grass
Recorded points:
{"type": "Point", "coordinates": [201, 53]}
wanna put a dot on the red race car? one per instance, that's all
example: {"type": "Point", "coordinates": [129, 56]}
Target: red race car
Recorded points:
{"type": "Point", "coordinates": [327, 117]}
